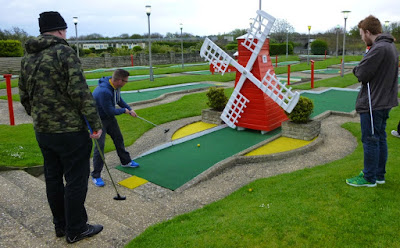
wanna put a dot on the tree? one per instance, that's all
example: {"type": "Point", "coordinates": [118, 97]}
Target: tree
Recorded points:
{"type": "Point", "coordinates": [136, 36]}
{"type": "Point", "coordinates": [93, 36]}
{"type": "Point", "coordinates": [280, 30]}
{"type": "Point", "coordinates": [394, 29]}
{"type": "Point", "coordinates": [124, 36]}
{"type": "Point", "coordinates": [238, 32]}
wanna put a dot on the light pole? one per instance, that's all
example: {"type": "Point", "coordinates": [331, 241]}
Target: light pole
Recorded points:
{"type": "Point", "coordinates": [345, 15]}
{"type": "Point", "coordinates": [148, 12]}
{"type": "Point", "coordinates": [387, 26]}
{"type": "Point", "coordinates": [308, 46]}
{"type": "Point", "coordinates": [181, 25]}
{"type": "Point", "coordinates": [337, 40]}
{"type": "Point", "coordinates": [75, 20]}
{"type": "Point", "coordinates": [287, 42]}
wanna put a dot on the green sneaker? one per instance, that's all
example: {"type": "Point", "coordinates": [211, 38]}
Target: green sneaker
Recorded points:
{"type": "Point", "coordinates": [359, 181]}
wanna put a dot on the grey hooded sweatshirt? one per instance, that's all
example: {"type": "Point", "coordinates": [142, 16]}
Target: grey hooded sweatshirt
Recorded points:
{"type": "Point", "coordinates": [379, 67]}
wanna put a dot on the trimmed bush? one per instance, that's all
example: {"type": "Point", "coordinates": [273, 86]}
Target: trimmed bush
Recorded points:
{"type": "Point", "coordinates": [11, 48]}
{"type": "Point", "coordinates": [318, 47]}
{"type": "Point", "coordinates": [301, 113]}
{"type": "Point", "coordinates": [277, 49]}
{"type": "Point", "coordinates": [216, 98]}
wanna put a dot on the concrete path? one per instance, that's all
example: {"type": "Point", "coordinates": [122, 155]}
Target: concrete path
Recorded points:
{"type": "Point", "coordinates": [26, 219]}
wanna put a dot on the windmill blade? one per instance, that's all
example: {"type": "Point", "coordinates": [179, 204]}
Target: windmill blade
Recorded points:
{"type": "Point", "coordinates": [257, 34]}
{"type": "Point", "coordinates": [233, 109]}
{"type": "Point", "coordinates": [218, 57]}
{"type": "Point", "coordinates": [277, 91]}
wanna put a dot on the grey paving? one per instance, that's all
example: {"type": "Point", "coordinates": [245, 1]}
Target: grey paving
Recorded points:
{"type": "Point", "coordinates": [26, 217]}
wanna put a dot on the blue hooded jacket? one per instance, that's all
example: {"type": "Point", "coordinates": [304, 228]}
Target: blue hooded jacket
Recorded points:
{"type": "Point", "coordinates": [106, 98]}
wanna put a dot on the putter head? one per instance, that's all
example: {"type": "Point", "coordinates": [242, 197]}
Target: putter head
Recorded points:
{"type": "Point", "coordinates": [166, 130]}
{"type": "Point", "coordinates": [119, 198]}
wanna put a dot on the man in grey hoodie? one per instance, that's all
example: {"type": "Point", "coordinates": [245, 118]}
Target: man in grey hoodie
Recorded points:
{"type": "Point", "coordinates": [378, 74]}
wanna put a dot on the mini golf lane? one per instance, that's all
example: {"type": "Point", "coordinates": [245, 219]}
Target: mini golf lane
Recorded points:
{"type": "Point", "coordinates": [152, 93]}
{"type": "Point", "coordinates": [95, 82]}
{"type": "Point", "coordinates": [176, 165]}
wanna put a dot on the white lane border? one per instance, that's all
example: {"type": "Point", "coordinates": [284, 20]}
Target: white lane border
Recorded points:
{"type": "Point", "coordinates": [181, 140]}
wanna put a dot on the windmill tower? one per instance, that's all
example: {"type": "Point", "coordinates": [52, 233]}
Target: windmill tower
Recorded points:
{"type": "Point", "coordinates": [259, 99]}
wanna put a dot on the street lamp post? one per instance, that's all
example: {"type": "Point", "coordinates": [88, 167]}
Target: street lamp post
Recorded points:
{"type": "Point", "coordinates": [148, 12]}
{"type": "Point", "coordinates": [181, 25]}
{"type": "Point", "coordinates": [337, 40]}
{"type": "Point", "coordinates": [287, 42]}
{"type": "Point", "coordinates": [345, 15]}
{"type": "Point", "coordinates": [308, 46]}
{"type": "Point", "coordinates": [387, 26]}
{"type": "Point", "coordinates": [75, 20]}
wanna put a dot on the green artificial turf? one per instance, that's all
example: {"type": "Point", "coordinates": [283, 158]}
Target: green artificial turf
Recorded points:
{"type": "Point", "coordinates": [313, 207]}
{"type": "Point", "coordinates": [176, 165]}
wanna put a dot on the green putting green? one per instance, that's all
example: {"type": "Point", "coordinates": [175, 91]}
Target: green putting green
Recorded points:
{"type": "Point", "coordinates": [207, 72]}
{"type": "Point", "coordinates": [335, 100]}
{"type": "Point", "coordinates": [325, 71]}
{"type": "Point", "coordinates": [288, 63]}
{"type": "Point", "coordinates": [292, 79]}
{"type": "Point", "coordinates": [187, 65]}
{"type": "Point", "coordinates": [95, 82]}
{"type": "Point", "coordinates": [130, 97]}
{"type": "Point", "coordinates": [129, 68]}
{"type": "Point", "coordinates": [353, 63]}
{"type": "Point", "coordinates": [174, 166]}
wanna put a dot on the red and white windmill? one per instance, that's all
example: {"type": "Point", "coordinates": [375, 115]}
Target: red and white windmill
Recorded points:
{"type": "Point", "coordinates": [259, 98]}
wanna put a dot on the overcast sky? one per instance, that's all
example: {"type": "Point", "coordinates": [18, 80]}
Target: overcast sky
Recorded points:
{"type": "Point", "coordinates": [199, 17]}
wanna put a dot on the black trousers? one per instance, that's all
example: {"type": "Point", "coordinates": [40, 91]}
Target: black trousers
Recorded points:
{"type": "Point", "coordinates": [110, 127]}
{"type": "Point", "coordinates": [67, 155]}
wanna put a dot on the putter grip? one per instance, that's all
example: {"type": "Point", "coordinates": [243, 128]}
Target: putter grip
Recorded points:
{"type": "Point", "coordinates": [87, 123]}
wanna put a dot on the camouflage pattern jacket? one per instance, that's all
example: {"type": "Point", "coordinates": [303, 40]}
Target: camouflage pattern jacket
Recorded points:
{"type": "Point", "coordinates": [53, 89]}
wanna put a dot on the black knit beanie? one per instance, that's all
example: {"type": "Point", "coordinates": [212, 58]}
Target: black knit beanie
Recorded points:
{"type": "Point", "coordinates": [51, 21]}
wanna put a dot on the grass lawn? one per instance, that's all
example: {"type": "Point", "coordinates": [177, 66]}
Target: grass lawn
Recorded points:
{"type": "Point", "coordinates": [307, 208]}
{"type": "Point", "coordinates": [22, 150]}
{"type": "Point", "coordinates": [340, 82]}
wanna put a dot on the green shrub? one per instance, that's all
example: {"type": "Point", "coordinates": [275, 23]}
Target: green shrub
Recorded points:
{"type": "Point", "coordinates": [216, 98]}
{"type": "Point", "coordinates": [137, 49]}
{"type": "Point", "coordinates": [318, 47]}
{"type": "Point", "coordinates": [231, 46]}
{"type": "Point", "coordinates": [301, 113]}
{"type": "Point", "coordinates": [11, 48]}
{"type": "Point", "coordinates": [277, 49]}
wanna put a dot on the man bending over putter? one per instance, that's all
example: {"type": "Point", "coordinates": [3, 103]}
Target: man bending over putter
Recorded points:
{"type": "Point", "coordinates": [107, 95]}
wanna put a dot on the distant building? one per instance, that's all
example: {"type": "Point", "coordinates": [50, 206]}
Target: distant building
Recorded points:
{"type": "Point", "coordinates": [103, 46]}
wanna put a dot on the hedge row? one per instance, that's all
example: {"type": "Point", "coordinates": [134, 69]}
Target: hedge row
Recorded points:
{"type": "Point", "coordinates": [278, 49]}
{"type": "Point", "coordinates": [11, 48]}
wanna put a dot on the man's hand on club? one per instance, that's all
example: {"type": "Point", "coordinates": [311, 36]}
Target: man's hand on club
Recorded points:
{"type": "Point", "coordinates": [130, 112]}
{"type": "Point", "coordinates": [96, 134]}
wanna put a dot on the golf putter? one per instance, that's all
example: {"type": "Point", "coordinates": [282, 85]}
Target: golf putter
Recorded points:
{"type": "Point", "coordinates": [370, 109]}
{"type": "Point", "coordinates": [118, 197]}
{"type": "Point", "coordinates": [165, 130]}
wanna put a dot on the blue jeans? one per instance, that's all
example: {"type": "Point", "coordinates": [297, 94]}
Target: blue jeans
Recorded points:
{"type": "Point", "coordinates": [375, 146]}
{"type": "Point", "coordinates": [110, 127]}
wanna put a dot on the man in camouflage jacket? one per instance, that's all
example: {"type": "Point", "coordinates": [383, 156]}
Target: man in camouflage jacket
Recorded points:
{"type": "Point", "coordinates": [54, 92]}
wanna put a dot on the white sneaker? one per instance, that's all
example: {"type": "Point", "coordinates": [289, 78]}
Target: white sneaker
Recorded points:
{"type": "Point", "coordinates": [395, 133]}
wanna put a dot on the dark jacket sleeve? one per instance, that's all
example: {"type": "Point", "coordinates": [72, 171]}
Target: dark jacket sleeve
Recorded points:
{"type": "Point", "coordinates": [23, 91]}
{"type": "Point", "coordinates": [368, 66]}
